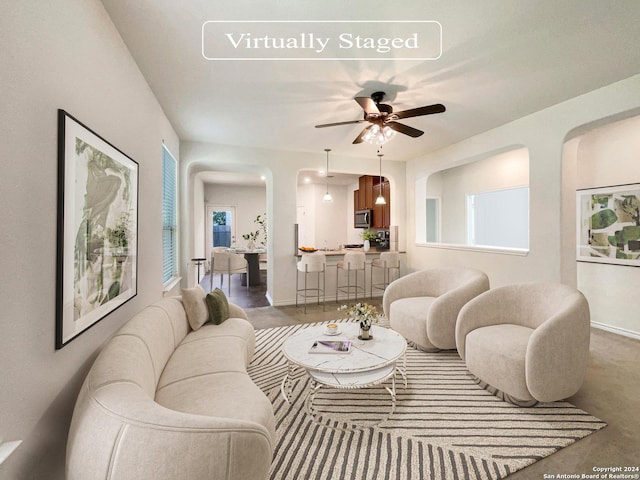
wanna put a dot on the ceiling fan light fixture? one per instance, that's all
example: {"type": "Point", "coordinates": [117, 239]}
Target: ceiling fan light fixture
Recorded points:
{"type": "Point", "coordinates": [383, 119]}
{"type": "Point", "coordinates": [377, 135]}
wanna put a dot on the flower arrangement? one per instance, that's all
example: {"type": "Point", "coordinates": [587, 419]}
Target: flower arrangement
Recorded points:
{"type": "Point", "coordinates": [261, 221]}
{"type": "Point", "coordinates": [361, 312]}
{"type": "Point", "coordinates": [368, 234]}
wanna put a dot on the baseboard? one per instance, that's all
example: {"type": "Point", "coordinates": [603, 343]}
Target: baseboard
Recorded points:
{"type": "Point", "coordinates": [617, 330]}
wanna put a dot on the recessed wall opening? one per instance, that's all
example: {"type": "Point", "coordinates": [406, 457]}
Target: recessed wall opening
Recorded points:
{"type": "Point", "coordinates": [230, 213]}
{"type": "Point", "coordinates": [599, 160]}
{"type": "Point", "coordinates": [479, 204]}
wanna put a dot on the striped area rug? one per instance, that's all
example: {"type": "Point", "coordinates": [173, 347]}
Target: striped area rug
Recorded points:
{"type": "Point", "coordinates": [444, 426]}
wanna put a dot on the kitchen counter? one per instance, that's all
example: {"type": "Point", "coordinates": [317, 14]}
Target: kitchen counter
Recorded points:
{"type": "Point", "coordinates": [341, 252]}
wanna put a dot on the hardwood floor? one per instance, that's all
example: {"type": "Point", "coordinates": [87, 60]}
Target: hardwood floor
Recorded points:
{"type": "Point", "coordinates": [262, 315]}
{"type": "Point", "coordinates": [245, 297]}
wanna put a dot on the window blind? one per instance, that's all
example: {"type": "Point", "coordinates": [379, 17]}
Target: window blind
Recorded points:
{"type": "Point", "coordinates": [169, 216]}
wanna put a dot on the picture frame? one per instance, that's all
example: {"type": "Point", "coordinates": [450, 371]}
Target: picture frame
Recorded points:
{"type": "Point", "coordinates": [608, 229]}
{"type": "Point", "coordinates": [97, 238]}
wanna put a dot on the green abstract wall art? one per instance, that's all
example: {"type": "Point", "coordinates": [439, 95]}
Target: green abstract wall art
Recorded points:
{"type": "Point", "coordinates": [97, 228]}
{"type": "Point", "coordinates": [608, 229]}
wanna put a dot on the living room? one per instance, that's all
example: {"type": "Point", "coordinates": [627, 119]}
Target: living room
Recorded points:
{"type": "Point", "coordinates": [73, 55]}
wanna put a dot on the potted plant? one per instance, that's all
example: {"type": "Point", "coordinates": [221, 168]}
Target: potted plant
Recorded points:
{"type": "Point", "coordinates": [367, 235]}
{"type": "Point", "coordinates": [364, 314]}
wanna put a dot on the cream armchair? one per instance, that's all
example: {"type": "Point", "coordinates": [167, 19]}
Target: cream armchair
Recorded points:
{"type": "Point", "coordinates": [423, 306]}
{"type": "Point", "coordinates": [229, 263]}
{"type": "Point", "coordinates": [529, 341]}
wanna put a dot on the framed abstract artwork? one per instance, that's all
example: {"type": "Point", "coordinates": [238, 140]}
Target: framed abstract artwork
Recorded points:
{"type": "Point", "coordinates": [608, 229]}
{"type": "Point", "coordinates": [97, 229]}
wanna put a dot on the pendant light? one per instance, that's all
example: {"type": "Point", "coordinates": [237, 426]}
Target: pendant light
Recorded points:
{"type": "Point", "coordinates": [327, 196]}
{"type": "Point", "coordinates": [380, 200]}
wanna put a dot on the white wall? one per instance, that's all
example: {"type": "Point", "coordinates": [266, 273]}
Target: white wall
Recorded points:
{"type": "Point", "coordinates": [605, 156]}
{"type": "Point", "coordinates": [543, 134]}
{"type": "Point", "coordinates": [353, 234]}
{"type": "Point", "coordinates": [198, 216]}
{"type": "Point", "coordinates": [199, 212]}
{"type": "Point", "coordinates": [324, 223]}
{"type": "Point", "coordinates": [305, 217]}
{"type": "Point", "coordinates": [249, 202]}
{"type": "Point", "coordinates": [62, 54]}
{"type": "Point", "coordinates": [331, 225]}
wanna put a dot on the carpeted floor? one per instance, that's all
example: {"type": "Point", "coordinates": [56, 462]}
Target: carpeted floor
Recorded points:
{"type": "Point", "coordinates": [444, 427]}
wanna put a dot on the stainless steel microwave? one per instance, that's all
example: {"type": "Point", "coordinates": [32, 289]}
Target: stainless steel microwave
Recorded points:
{"type": "Point", "coordinates": [362, 219]}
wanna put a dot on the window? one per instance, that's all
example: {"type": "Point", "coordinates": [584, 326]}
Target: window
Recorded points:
{"type": "Point", "coordinates": [499, 218]}
{"type": "Point", "coordinates": [222, 227]}
{"type": "Point", "coordinates": [169, 216]}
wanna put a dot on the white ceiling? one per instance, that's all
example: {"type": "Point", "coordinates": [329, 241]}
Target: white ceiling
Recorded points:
{"type": "Point", "coordinates": [317, 177]}
{"type": "Point", "coordinates": [501, 60]}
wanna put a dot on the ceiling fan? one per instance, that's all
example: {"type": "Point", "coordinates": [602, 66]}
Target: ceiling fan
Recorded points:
{"type": "Point", "coordinates": [383, 119]}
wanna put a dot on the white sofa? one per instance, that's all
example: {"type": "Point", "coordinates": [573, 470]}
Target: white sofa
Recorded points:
{"type": "Point", "coordinates": [423, 306]}
{"type": "Point", "coordinates": [164, 402]}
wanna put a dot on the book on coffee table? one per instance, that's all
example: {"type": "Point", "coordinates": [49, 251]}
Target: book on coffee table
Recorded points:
{"type": "Point", "coordinates": [330, 346]}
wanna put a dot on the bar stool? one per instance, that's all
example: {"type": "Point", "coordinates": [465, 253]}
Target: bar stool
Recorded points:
{"type": "Point", "coordinates": [387, 261]}
{"type": "Point", "coordinates": [352, 262]}
{"type": "Point", "coordinates": [310, 263]}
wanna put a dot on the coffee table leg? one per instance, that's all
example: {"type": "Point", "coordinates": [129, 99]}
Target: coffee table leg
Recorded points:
{"type": "Point", "coordinates": [315, 385]}
{"type": "Point", "coordinates": [392, 392]}
{"type": "Point", "coordinates": [313, 389]}
{"type": "Point", "coordinates": [286, 387]}
{"type": "Point", "coordinates": [403, 370]}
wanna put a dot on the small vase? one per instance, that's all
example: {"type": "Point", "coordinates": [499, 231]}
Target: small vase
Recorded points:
{"type": "Point", "coordinates": [367, 245]}
{"type": "Point", "coordinates": [365, 333]}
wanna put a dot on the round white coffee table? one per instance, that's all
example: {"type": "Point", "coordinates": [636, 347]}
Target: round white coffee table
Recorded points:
{"type": "Point", "coordinates": [368, 363]}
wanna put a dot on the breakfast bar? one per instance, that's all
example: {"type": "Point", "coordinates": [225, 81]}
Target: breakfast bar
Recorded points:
{"type": "Point", "coordinates": [364, 279]}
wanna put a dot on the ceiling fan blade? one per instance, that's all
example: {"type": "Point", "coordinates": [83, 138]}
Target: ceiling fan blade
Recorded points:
{"type": "Point", "coordinates": [417, 112]}
{"type": "Point", "coordinates": [339, 123]}
{"type": "Point", "coordinates": [406, 129]}
{"type": "Point", "coordinates": [368, 105]}
{"type": "Point", "coordinates": [359, 138]}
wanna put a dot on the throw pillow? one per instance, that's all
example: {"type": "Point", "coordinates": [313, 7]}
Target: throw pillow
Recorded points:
{"type": "Point", "coordinates": [195, 305]}
{"type": "Point", "coordinates": [218, 306]}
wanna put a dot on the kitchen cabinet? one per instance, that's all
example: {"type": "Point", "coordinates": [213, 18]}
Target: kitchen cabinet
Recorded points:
{"type": "Point", "coordinates": [365, 198]}
{"type": "Point", "coordinates": [382, 213]}
{"type": "Point", "coordinates": [365, 184]}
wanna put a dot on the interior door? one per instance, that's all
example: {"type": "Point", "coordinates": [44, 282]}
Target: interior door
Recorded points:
{"type": "Point", "coordinates": [220, 227]}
